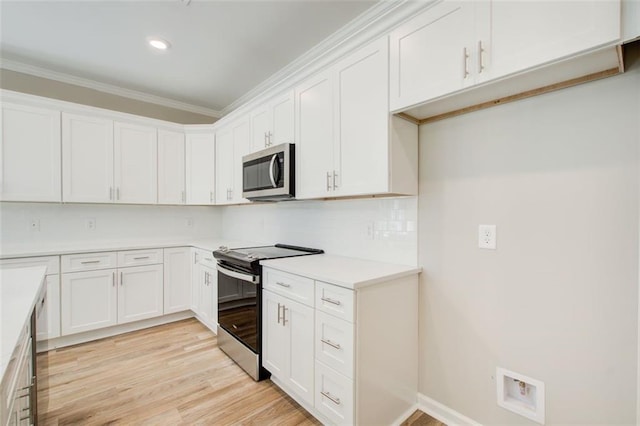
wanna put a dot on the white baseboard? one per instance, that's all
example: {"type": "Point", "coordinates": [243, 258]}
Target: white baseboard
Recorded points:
{"type": "Point", "coordinates": [404, 416]}
{"type": "Point", "coordinates": [441, 412]}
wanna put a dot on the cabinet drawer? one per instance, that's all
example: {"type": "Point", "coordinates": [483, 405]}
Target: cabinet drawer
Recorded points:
{"type": "Point", "coordinates": [334, 395]}
{"type": "Point", "coordinates": [88, 261]}
{"type": "Point", "coordinates": [51, 262]}
{"type": "Point", "coordinates": [334, 343]}
{"type": "Point", "coordinates": [292, 286]}
{"type": "Point", "coordinates": [334, 300]}
{"type": "Point", "coordinates": [139, 257]}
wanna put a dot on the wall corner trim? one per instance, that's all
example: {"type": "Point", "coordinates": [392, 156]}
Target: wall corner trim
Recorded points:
{"type": "Point", "coordinates": [441, 412]}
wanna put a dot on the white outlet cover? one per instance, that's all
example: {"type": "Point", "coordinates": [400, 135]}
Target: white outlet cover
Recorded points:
{"type": "Point", "coordinates": [90, 223]}
{"type": "Point", "coordinates": [34, 225]}
{"type": "Point", "coordinates": [487, 237]}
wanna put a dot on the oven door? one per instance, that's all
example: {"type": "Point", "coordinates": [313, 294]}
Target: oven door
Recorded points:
{"type": "Point", "coordinates": [238, 306]}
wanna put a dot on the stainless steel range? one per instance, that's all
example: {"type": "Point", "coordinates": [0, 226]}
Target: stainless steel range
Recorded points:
{"type": "Point", "coordinates": [240, 301]}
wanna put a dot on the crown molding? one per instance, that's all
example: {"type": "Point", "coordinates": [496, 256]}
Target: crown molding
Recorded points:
{"type": "Point", "coordinates": [36, 71]}
{"type": "Point", "coordinates": [375, 22]}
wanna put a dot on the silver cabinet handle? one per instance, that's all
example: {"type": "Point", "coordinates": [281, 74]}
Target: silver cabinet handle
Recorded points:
{"type": "Point", "coordinates": [266, 144]}
{"type": "Point", "coordinates": [121, 279]}
{"type": "Point", "coordinates": [465, 59]}
{"type": "Point", "coordinates": [87, 262]}
{"type": "Point", "coordinates": [279, 306]}
{"type": "Point", "coordinates": [141, 258]}
{"type": "Point", "coordinates": [211, 196]}
{"type": "Point", "coordinates": [284, 315]}
{"type": "Point", "coordinates": [328, 181]}
{"type": "Point", "coordinates": [281, 284]}
{"type": "Point", "coordinates": [113, 280]}
{"type": "Point", "coordinates": [480, 52]}
{"type": "Point", "coordinates": [118, 194]}
{"type": "Point", "coordinates": [195, 258]}
{"type": "Point", "coordinates": [111, 193]}
{"type": "Point", "coordinates": [332, 301]}
{"type": "Point", "coordinates": [331, 397]}
{"type": "Point", "coordinates": [269, 137]}
{"type": "Point", "coordinates": [206, 278]}
{"type": "Point", "coordinates": [330, 343]}
{"type": "Point", "coordinates": [335, 176]}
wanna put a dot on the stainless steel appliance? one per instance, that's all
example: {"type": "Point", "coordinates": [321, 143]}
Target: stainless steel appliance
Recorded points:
{"type": "Point", "coordinates": [240, 301]}
{"type": "Point", "coordinates": [269, 174]}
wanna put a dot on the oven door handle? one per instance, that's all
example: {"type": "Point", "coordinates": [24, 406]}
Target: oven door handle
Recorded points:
{"type": "Point", "coordinates": [233, 274]}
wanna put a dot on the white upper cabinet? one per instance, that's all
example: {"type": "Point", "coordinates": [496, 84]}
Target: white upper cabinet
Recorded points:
{"type": "Point", "coordinates": [455, 44]}
{"type": "Point", "coordinates": [200, 167]}
{"type": "Point", "coordinates": [232, 143]}
{"type": "Point", "coordinates": [430, 55]}
{"type": "Point", "coordinates": [273, 122]}
{"type": "Point", "coordinates": [523, 34]}
{"type": "Point", "coordinates": [87, 158]}
{"type": "Point", "coordinates": [314, 136]}
{"type": "Point", "coordinates": [224, 166]}
{"type": "Point", "coordinates": [29, 154]}
{"type": "Point", "coordinates": [136, 163]}
{"type": "Point", "coordinates": [171, 167]}
{"type": "Point", "coordinates": [346, 143]}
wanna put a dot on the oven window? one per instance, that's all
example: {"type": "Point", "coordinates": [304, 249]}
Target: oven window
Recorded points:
{"type": "Point", "coordinates": [238, 309]}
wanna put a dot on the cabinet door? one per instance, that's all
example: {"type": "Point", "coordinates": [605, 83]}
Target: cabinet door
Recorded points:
{"type": "Point", "coordinates": [298, 319]}
{"type": "Point", "coordinates": [260, 127]}
{"type": "Point", "coordinates": [314, 136]}
{"type": "Point", "coordinates": [241, 147]}
{"type": "Point", "coordinates": [136, 164]}
{"type": "Point", "coordinates": [200, 168]}
{"type": "Point", "coordinates": [283, 119]}
{"type": "Point", "coordinates": [29, 154]}
{"type": "Point", "coordinates": [522, 34]}
{"type": "Point", "coordinates": [177, 279]}
{"type": "Point", "coordinates": [171, 168]}
{"type": "Point", "coordinates": [87, 159]}
{"type": "Point", "coordinates": [362, 166]}
{"type": "Point", "coordinates": [224, 165]}
{"type": "Point", "coordinates": [428, 54]}
{"type": "Point", "coordinates": [88, 301]}
{"type": "Point", "coordinates": [49, 327]}
{"type": "Point", "coordinates": [275, 342]}
{"type": "Point", "coordinates": [207, 303]}
{"type": "Point", "coordinates": [140, 293]}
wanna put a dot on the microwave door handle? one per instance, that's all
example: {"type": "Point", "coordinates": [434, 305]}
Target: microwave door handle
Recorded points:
{"type": "Point", "coordinates": [271, 164]}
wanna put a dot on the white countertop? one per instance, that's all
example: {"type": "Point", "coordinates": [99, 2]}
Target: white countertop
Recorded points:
{"type": "Point", "coordinates": [19, 291]}
{"type": "Point", "coordinates": [88, 247]}
{"type": "Point", "coordinates": [345, 272]}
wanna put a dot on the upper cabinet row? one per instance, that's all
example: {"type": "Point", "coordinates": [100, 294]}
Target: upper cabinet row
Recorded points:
{"type": "Point", "coordinates": [455, 45]}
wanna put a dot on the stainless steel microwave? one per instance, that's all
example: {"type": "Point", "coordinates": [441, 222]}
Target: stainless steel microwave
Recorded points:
{"type": "Point", "coordinates": [269, 174]}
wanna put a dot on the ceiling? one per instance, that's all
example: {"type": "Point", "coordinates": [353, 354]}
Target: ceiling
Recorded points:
{"type": "Point", "coordinates": [220, 50]}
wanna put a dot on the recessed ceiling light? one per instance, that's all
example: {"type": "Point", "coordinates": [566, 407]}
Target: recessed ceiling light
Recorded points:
{"type": "Point", "coordinates": [158, 43]}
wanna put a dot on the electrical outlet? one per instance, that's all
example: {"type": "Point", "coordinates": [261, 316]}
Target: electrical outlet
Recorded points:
{"type": "Point", "coordinates": [487, 237]}
{"type": "Point", "coordinates": [90, 223]}
{"type": "Point", "coordinates": [34, 225]}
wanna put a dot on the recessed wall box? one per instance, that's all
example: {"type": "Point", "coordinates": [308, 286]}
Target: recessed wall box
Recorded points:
{"type": "Point", "coordinates": [520, 394]}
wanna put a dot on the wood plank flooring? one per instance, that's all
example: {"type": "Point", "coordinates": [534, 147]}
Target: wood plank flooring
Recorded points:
{"type": "Point", "coordinates": [172, 374]}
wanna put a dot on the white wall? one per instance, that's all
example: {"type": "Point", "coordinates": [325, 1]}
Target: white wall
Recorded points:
{"type": "Point", "coordinates": [64, 224]}
{"type": "Point", "coordinates": [382, 229]}
{"type": "Point", "coordinates": [558, 300]}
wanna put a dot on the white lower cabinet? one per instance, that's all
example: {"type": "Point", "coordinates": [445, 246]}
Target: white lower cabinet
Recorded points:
{"type": "Point", "coordinates": [204, 300]}
{"type": "Point", "coordinates": [288, 343]}
{"type": "Point", "coordinates": [88, 301]}
{"type": "Point", "coordinates": [331, 345]}
{"type": "Point", "coordinates": [93, 299]}
{"type": "Point", "coordinates": [177, 279]}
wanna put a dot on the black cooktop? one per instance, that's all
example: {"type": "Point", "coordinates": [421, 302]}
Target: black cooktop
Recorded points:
{"type": "Point", "coordinates": [251, 256]}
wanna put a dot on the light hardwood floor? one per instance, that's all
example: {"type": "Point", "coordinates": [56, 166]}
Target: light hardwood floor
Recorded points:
{"type": "Point", "coordinates": [168, 375]}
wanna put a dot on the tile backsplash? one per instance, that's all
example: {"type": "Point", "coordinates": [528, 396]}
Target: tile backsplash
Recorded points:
{"type": "Point", "coordinates": [382, 229]}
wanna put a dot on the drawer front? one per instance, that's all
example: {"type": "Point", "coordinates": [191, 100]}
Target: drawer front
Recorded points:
{"type": "Point", "coordinates": [51, 262]}
{"type": "Point", "coordinates": [139, 257]}
{"type": "Point", "coordinates": [334, 300]}
{"type": "Point", "coordinates": [88, 261]}
{"type": "Point", "coordinates": [204, 257]}
{"type": "Point", "coordinates": [334, 343]}
{"type": "Point", "coordinates": [292, 286]}
{"type": "Point", "coordinates": [334, 395]}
